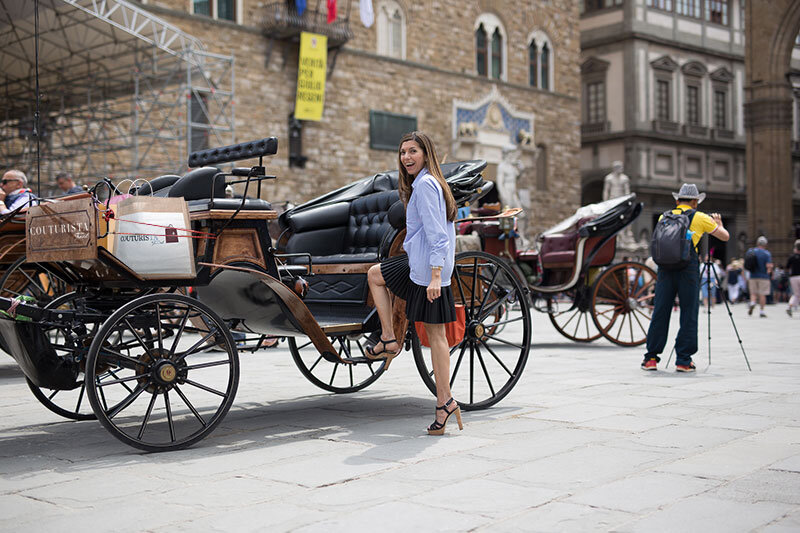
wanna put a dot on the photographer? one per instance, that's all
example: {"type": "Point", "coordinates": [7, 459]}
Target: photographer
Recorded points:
{"type": "Point", "coordinates": [683, 282]}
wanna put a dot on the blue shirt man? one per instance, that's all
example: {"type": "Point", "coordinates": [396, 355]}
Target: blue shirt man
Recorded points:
{"type": "Point", "coordinates": [759, 283]}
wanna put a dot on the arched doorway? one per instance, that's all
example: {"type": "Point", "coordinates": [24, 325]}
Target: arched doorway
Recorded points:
{"type": "Point", "coordinates": [771, 30]}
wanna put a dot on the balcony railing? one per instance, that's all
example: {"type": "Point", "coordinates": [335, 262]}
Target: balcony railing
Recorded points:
{"type": "Point", "coordinates": [693, 130]}
{"type": "Point", "coordinates": [282, 22]}
{"type": "Point", "coordinates": [595, 128]}
{"type": "Point", "coordinates": [723, 134]}
{"type": "Point", "coordinates": [666, 126]}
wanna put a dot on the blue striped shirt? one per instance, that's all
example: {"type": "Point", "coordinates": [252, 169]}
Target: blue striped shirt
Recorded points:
{"type": "Point", "coordinates": [430, 237]}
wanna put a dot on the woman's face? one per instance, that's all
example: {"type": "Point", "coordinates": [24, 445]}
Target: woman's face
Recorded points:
{"type": "Point", "coordinates": [412, 157]}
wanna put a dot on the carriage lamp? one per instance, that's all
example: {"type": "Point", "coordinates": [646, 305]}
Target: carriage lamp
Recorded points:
{"type": "Point", "coordinates": [296, 157]}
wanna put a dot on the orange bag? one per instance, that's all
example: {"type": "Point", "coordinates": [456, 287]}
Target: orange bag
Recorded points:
{"type": "Point", "coordinates": [454, 330]}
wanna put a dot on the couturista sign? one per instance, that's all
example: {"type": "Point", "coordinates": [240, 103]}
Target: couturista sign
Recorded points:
{"type": "Point", "coordinates": [61, 231]}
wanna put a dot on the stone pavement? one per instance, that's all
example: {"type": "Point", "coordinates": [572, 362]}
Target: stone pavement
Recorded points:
{"type": "Point", "coordinates": [586, 441]}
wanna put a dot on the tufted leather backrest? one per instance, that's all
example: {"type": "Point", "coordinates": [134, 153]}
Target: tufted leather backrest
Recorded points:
{"type": "Point", "coordinates": [368, 222]}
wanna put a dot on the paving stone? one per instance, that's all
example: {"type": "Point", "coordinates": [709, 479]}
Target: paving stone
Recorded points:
{"type": "Point", "coordinates": [643, 492]}
{"type": "Point", "coordinates": [562, 516]}
{"type": "Point", "coordinates": [704, 513]}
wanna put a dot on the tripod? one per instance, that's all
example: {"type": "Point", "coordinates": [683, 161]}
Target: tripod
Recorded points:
{"type": "Point", "coordinates": [707, 271]}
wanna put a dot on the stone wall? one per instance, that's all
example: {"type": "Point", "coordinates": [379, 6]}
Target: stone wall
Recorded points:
{"type": "Point", "coordinates": [439, 68]}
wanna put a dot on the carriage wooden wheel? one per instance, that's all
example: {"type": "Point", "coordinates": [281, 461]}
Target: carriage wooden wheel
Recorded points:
{"type": "Point", "coordinates": [622, 303]}
{"type": "Point", "coordinates": [570, 313]}
{"type": "Point", "coordinates": [180, 380]}
{"type": "Point", "coordinates": [335, 376]}
{"type": "Point", "coordinates": [31, 279]}
{"type": "Point", "coordinates": [489, 361]}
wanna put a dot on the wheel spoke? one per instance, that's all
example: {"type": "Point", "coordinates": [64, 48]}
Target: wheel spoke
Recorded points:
{"type": "Point", "coordinates": [315, 363]}
{"type": "Point", "coordinates": [474, 284]}
{"type": "Point", "coordinates": [147, 416]}
{"type": "Point", "coordinates": [102, 393]}
{"type": "Point", "coordinates": [645, 287]}
{"type": "Point", "coordinates": [181, 327]}
{"type": "Point", "coordinates": [169, 417]}
{"type": "Point", "coordinates": [106, 351]}
{"type": "Point", "coordinates": [458, 363]}
{"type": "Point", "coordinates": [122, 380]}
{"type": "Point", "coordinates": [496, 358]}
{"type": "Point", "coordinates": [333, 374]}
{"type": "Point", "coordinates": [485, 372]}
{"type": "Point", "coordinates": [116, 376]}
{"type": "Point", "coordinates": [207, 365]}
{"type": "Point", "coordinates": [504, 322]}
{"type": "Point", "coordinates": [197, 345]}
{"type": "Point", "coordinates": [53, 395]}
{"type": "Point", "coordinates": [158, 330]}
{"type": "Point", "coordinates": [489, 290]}
{"type": "Point", "coordinates": [204, 387]}
{"type": "Point", "coordinates": [127, 401]}
{"type": "Point", "coordinates": [505, 342]}
{"type": "Point", "coordinates": [138, 338]}
{"type": "Point", "coordinates": [471, 372]}
{"type": "Point", "coordinates": [190, 406]}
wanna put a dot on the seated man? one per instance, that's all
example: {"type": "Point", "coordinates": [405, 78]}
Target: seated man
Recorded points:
{"type": "Point", "coordinates": [66, 183]}
{"type": "Point", "coordinates": [14, 192]}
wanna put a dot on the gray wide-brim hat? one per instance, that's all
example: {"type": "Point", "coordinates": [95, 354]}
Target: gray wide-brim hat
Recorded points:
{"type": "Point", "coordinates": [689, 191]}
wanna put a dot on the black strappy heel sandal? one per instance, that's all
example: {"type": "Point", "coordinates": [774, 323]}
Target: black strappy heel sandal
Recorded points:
{"type": "Point", "coordinates": [437, 428]}
{"type": "Point", "coordinates": [384, 354]}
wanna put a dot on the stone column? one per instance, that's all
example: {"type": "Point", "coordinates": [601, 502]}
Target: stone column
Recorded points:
{"type": "Point", "coordinates": [771, 27]}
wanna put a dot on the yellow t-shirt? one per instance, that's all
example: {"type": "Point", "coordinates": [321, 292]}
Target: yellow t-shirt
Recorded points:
{"type": "Point", "coordinates": [701, 223]}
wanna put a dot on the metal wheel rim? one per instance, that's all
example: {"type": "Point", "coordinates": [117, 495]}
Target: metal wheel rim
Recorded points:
{"type": "Point", "coordinates": [489, 356]}
{"type": "Point", "coordinates": [573, 323]}
{"type": "Point", "coordinates": [621, 306]}
{"type": "Point", "coordinates": [336, 377]}
{"type": "Point", "coordinates": [166, 367]}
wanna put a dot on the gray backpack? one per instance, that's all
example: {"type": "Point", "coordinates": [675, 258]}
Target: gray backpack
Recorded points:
{"type": "Point", "coordinates": [671, 245]}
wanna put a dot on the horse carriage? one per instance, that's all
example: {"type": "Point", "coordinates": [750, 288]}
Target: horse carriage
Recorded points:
{"type": "Point", "coordinates": [571, 273]}
{"type": "Point", "coordinates": [159, 368]}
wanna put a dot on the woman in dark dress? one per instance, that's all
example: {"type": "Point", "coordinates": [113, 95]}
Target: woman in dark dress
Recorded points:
{"type": "Point", "coordinates": [421, 276]}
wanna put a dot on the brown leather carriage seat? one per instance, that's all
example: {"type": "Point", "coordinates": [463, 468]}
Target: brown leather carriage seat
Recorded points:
{"type": "Point", "coordinates": [558, 251]}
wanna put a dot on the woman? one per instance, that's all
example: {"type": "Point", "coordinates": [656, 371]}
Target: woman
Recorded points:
{"type": "Point", "coordinates": [793, 270]}
{"type": "Point", "coordinates": [422, 276]}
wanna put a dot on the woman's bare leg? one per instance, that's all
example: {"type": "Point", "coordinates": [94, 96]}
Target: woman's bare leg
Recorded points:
{"type": "Point", "coordinates": [383, 304]}
{"type": "Point", "coordinates": [440, 356]}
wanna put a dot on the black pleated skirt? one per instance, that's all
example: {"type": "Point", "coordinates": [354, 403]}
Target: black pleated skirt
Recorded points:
{"type": "Point", "coordinates": [396, 273]}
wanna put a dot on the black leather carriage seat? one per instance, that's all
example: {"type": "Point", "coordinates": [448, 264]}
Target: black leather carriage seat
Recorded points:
{"type": "Point", "coordinates": [197, 185]}
{"type": "Point", "coordinates": [343, 232]}
{"type": "Point", "coordinates": [156, 185]}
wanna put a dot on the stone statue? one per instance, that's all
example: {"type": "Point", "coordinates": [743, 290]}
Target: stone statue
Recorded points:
{"type": "Point", "coordinates": [508, 173]}
{"type": "Point", "coordinates": [616, 183]}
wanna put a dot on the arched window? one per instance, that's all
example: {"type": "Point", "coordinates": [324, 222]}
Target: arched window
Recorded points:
{"type": "Point", "coordinates": [533, 64]}
{"type": "Point", "coordinates": [497, 55]}
{"type": "Point", "coordinates": [391, 28]}
{"type": "Point", "coordinates": [490, 47]}
{"type": "Point", "coordinates": [481, 54]}
{"type": "Point", "coordinates": [540, 61]}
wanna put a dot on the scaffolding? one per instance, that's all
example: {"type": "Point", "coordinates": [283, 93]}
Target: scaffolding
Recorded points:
{"type": "Point", "coordinates": [124, 94]}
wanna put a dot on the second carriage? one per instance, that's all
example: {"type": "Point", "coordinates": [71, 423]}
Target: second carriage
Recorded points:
{"type": "Point", "coordinates": [572, 274]}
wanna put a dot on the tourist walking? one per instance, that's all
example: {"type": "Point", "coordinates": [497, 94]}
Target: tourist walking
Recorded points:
{"type": "Point", "coordinates": [679, 278]}
{"type": "Point", "coordinates": [422, 275]}
{"type": "Point", "coordinates": [758, 261]}
{"type": "Point", "coordinates": [793, 269]}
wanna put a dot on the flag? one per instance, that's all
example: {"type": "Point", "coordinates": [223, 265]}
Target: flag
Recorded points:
{"type": "Point", "coordinates": [301, 6]}
{"type": "Point", "coordinates": [367, 15]}
{"type": "Point", "coordinates": [331, 11]}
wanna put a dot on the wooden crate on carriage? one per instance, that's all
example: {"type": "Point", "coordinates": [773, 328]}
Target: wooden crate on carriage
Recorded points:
{"type": "Point", "coordinates": [61, 231]}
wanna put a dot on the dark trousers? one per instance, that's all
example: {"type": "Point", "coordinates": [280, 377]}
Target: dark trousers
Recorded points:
{"type": "Point", "coordinates": [686, 285]}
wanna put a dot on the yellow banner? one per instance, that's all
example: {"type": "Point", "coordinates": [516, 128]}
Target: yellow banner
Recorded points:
{"type": "Point", "coordinates": [311, 77]}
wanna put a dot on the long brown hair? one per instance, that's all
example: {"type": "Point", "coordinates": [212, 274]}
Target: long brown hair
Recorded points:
{"type": "Point", "coordinates": [432, 164]}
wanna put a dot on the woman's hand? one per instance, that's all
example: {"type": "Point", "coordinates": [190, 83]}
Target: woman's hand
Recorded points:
{"type": "Point", "coordinates": [435, 286]}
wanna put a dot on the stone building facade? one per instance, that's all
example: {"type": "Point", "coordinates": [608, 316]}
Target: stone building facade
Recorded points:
{"type": "Point", "coordinates": [419, 61]}
{"type": "Point", "coordinates": [663, 86]}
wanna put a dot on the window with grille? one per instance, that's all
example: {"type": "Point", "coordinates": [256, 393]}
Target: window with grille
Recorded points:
{"type": "Point", "coordinates": [662, 100]}
{"type": "Point", "coordinates": [545, 67]}
{"type": "Point", "coordinates": [497, 54]}
{"type": "Point", "coordinates": [595, 102]}
{"type": "Point", "coordinates": [717, 11]}
{"type": "Point", "coordinates": [533, 64]}
{"type": "Point", "coordinates": [665, 5]}
{"type": "Point", "coordinates": [720, 110]}
{"type": "Point", "coordinates": [386, 129]}
{"type": "Point", "coordinates": [688, 8]}
{"type": "Point", "coordinates": [692, 105]}
{"type": "Point", "coordinates": [226, 9]}
{"type": "Point", "coordinates": [481, 52]}
{"type": "Point", "coordinates": [202, 7]}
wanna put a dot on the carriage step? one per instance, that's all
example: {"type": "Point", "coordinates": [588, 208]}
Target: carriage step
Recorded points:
{"type": "Point", "coordinates": [357, 360]}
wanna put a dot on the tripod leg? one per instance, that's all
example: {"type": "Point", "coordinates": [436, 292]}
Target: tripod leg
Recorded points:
{"type": "Point", "coordinates": [735, 329]}
{"type": "Point", "coordinates": [670, 357]}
